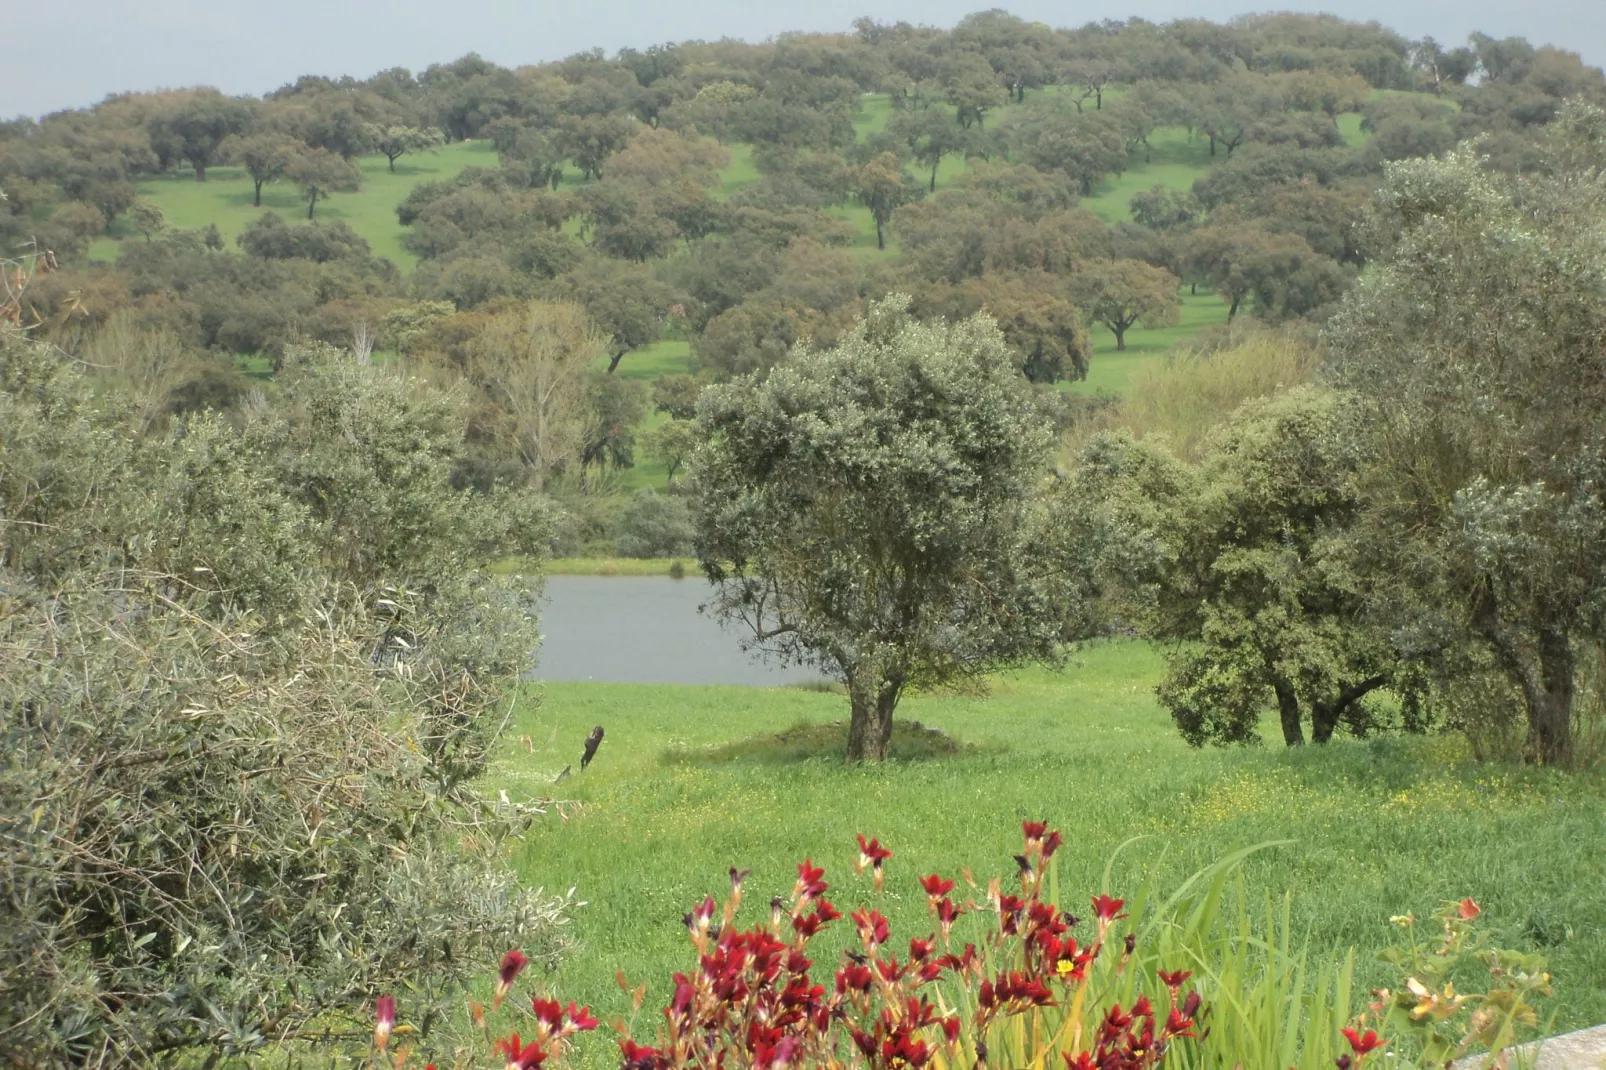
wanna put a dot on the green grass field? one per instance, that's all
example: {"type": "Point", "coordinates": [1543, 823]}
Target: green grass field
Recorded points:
{"type": "Point", "coordinates": [1111, 372]}
{"type": "Point", "coordinates": [1378, 828]}
{"type": "Point", "coordinates": [225, 198]}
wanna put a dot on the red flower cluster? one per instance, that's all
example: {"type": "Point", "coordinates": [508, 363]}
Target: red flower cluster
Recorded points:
{"type": "Point", "coordinates": [751, 999]}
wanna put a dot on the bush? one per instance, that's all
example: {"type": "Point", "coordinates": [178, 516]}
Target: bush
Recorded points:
{"type": "Point", "coordinates": [248, 676]}
{"type": "Point", "coordinates": [655, 525]}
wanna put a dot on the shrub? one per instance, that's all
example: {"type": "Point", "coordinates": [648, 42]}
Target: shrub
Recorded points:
{"type": "Point", "coordinates": [248, 675]}
{"type": "Point", "coordinates": [655, 525]}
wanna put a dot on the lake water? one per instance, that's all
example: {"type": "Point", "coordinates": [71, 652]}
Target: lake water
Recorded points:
{"type": "Point", "coordinates": [644, 630]}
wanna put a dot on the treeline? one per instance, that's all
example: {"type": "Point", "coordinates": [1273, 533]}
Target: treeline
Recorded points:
{"type": "Point", "coordinates": [611, 193]}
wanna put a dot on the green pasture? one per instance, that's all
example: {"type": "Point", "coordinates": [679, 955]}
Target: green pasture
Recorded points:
{"type": "Point", "coordinates": [225, 198]}
{"type": "Point", "coordinates": [693, 780]}
{"type": "Point", "coordinates": [1111, 372]}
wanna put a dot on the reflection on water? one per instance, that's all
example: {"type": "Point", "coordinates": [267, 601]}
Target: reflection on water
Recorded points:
{"type": "Point", "coordinates": [643, 630]}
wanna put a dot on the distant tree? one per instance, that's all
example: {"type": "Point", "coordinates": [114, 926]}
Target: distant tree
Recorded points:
{"type": "Point", "coordinates": [1123, 293]}
{"type": "Point", "coordinates": [395, 142]}
{"type": "Point", "coordinates": [929, 135]}
{"type": "Point", "coordinates": [1280, 274]}
{"type": "Point", "coordinates": [532, 364]}
{"type": "Point", "coordinates": [341, 129]}
{"type": "Point", "coordinates": [535, 154]}
{"type": "Point", "coordinates": [1233, 107]}
{"type": "Point", "coordinates": [1034, 310]}
{"type": "Point", "coordinates": [590, 140]}
{"type": "Point", "coordinates": [972, 88]}
{"type": "Point", "coordinates": [200, 123]}
{"type": "Point", "coordinates": [1090, 76]}
{"type": "Point", "coordinates": [320, 173]}
{"type": "Point", "coordinates": [615, 408]}
{"type": "Point", "coordinates": [1084, 148]}
{"type": "Point", "coordinates": [672, 443]}
{"type": "Point", "coordinates": [1160, 208]}
{"type": "Point", "coordinates": [677, 395]}
{"type": "Point", "coordinates": [146, 218]}
{"type": "Point", "coordinates": [626, 302]}
{"type": "Point", "coordinates": [269, 237]}
{"type": "Point", "coordinates": [837, 540]}
{"type": "Point", "coordinates": [882, 186]}
{"type": "Point", "coordinates": [265, 156]}
{"type": "Point", "coordinates": [658, 158]}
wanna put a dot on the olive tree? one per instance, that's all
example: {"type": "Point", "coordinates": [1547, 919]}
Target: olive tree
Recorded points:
{"type": "Point", "coordinates": [868, 510]}
{"type": "Point", "coordinates": [1477, 342]}
{"type": "Point", "coordinates": [249, 674]}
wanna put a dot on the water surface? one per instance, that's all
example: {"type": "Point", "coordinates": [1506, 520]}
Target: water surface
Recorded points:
{"type": "Point", "coordinates": [644, 630]}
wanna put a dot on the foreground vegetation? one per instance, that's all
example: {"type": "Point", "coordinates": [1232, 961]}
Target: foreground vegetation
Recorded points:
{"type": "Point", "coordinates": [691, 781]}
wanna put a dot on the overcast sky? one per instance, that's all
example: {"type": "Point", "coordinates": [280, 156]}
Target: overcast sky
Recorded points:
{"type": "Point", "coordinates": [71, 53]}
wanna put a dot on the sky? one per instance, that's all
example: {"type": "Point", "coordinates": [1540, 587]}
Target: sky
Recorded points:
{"type": "Point", "coordinates": [72, 53]}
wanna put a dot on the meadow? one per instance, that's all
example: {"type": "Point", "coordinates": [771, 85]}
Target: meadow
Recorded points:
{"type": "Point", "coordinates": [693, 780]}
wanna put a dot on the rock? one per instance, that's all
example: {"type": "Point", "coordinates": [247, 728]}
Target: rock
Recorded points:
{"type": "Point", "coordinates": [1583, 1050]}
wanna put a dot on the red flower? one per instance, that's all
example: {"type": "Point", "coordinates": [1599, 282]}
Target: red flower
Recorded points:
{"type": "Point", "coordinates": [1363, 1045]}
{"type": "Point", "coordinates": [639, 1057]}
{"type": "Point", "coordinates": [384, 1020]}
{"type": "Point", "coordinates": [1468, 909]}
{"type": "Point", "coordinates": [1051, 843]}
{"type": "Point", "coordinates": [935, 888]}
{"type": "Point", "coordinates": [810, 881]}
{"type": "Point", "coordinates": [1108, 909]}
{"type": "Point", "coordinates": [579, 1021]}
{"type": "Point", "coordinates": [512, 962]}
{"type": "Point", "coordinates": [521, 1057]}
{"type": "Point", "coordinates": [871, 853]}
{"type": "Point", "coordinates": [549, 1012]}
{"type": "Point", "coordinates": [1034, 832]}
{"type": "Point", "coordinates": [1173, 981]}
{"type": "Point", "coordinates": [950, 1029]}
{"type": "Point", "coordinates": [874, 929]}
{"type": "Point", "coordinates": [1080, 1061]}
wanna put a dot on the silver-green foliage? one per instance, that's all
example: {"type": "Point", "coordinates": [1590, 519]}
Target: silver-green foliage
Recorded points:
{"type": "Point", "coordinates": [1478, 344]}
{"type": "Point", "coordinates": [247, 672]}
{"type": "Point", "coordinates": [870, 509]}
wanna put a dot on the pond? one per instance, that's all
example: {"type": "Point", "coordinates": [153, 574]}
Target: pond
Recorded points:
{"type": "Point", "coordinates": [644, 630]}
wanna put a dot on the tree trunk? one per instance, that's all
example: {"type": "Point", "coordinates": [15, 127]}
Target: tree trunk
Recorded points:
{"type": "Point", "coordinates": [870, 729]}
{"type": "Point", "coordinates": [1120, 338]}
{"type": "Point", "coordinates": [200, 172]}
{"type": "Point", "coordinates": [1212, 144]}
{"type": "Point", "coordinates": [392, 160]}
{"type": "Point", "coordinates": [880, 239]}
{"type": "Point", "coordinates": [312, 206]}
{"type": "Point", "coordinates": [258, 202]}
{"type": "Point", "coordinates": [1547, 688]}
{"type": "Point", "coordinates": [613, 361]}
{"type": "Point", "coordinates": [1326, 715]}
{"type": "Point", "coordinates": [1550, 705]}
{"type": "Point", "coordinates": [1288, 712]}
{"type": "Point", "coordinates": [934, 174]}
{"type": "Point", "coordinates": [1232, 309]}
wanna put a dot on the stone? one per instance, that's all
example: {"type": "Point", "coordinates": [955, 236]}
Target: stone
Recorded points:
{"type": "Point", "coordinates": [1583, 1050]}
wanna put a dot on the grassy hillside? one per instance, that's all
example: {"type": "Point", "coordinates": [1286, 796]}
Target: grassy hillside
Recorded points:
{"type": "Point", "coordinates": [225, 198]}
{"type": "Point", "coordinates": [692, 780]}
